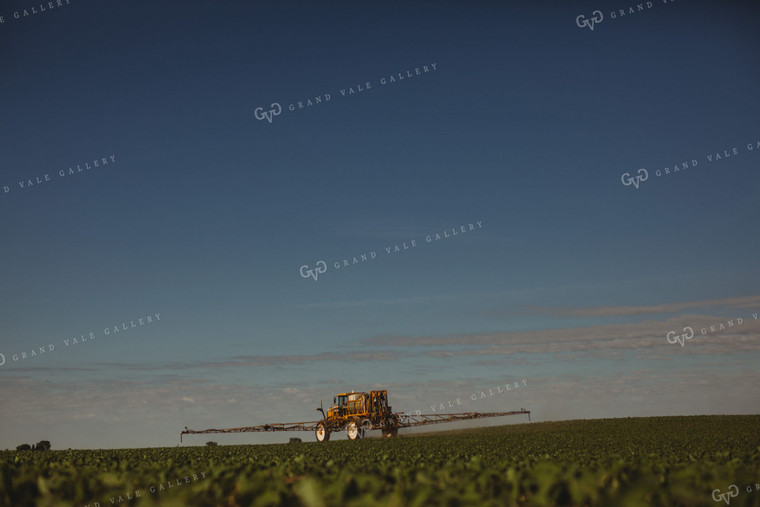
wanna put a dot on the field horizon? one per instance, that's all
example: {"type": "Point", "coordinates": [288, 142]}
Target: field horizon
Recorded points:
{"type": "Point", "coordinates": [665, 460]}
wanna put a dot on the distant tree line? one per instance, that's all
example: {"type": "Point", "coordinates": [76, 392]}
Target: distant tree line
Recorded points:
{"type": "Point", "coordinates": [42, 445]}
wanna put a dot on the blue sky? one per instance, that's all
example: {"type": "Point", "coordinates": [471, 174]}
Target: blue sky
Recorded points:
{"type": "Point", "coordinates": [206, 214]}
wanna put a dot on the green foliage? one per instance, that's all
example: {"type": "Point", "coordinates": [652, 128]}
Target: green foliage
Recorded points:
{"type": "Point", "coordinates": [613, 462]}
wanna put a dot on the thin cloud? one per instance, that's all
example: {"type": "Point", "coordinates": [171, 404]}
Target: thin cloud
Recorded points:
{"type": "Point", "coordinates": [603, 340]}
{"type": "Point", "coordinates": [619, 311]}
{"type": "Point", "coordinates": [248, 361]}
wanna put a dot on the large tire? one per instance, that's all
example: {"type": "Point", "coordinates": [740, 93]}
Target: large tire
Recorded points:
{"type": "Point", "coordinates": [352, 430]}
{"type": "Point", "coordinates": [364, 428]}
{"type": "Point", "coordinates": [322, 433]}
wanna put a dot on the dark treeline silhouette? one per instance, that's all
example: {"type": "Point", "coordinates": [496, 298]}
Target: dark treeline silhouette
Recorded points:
{"type": "Point", "coordinates": [42, 445]}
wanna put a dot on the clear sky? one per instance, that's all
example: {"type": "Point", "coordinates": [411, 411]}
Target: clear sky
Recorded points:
{"type": "Point", "coordinates": [520, 122]}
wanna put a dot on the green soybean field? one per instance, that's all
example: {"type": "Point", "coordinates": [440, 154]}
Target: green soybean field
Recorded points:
{"type": "Point", "coordinates": [669, 461]}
